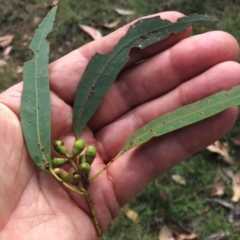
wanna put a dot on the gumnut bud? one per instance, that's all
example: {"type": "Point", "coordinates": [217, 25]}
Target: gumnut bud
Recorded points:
{"type": "Point", "coordinates": [58, 162]}
{"type": "Point", "coordinates": [84, 168]}
{"type": "Point", "coordinates": [76, 178]}
{"type": "Point", "coordinates": [90, 154]}
{"type": "Point", "coordinates": [59, 147]}
{"type": "Point", "coordinates": [64, 175]}
{"type": "Point", "coordinates": [78, 147]}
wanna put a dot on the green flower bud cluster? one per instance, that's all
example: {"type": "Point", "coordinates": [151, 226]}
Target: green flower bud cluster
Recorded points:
{"type": "Point", "coordinates": [81, 159]}
{"type": "Point", "coordinates": [77, 178]}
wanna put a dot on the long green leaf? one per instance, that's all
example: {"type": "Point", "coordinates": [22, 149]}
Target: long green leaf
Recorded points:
{"type": "Point", "coordinates": [184, 116]}
{"type": "Point", "coordinates": [102, 70]}
{"type": "Point", "coordinates": [35, 102]}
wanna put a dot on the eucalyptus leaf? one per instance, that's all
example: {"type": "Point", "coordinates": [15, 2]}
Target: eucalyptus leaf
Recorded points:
{"type": "Point", "coordinates": [184, 116]}
{"type": "Point", "coordinates": [102, 70]}
{"type": "Point", "coordinates": [35, 103]}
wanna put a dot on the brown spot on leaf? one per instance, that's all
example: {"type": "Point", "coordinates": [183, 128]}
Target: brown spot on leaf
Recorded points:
{"type": "Point", "coordinates": [145, 36]}
{"type": "Point", "coordinates": [46, 165]}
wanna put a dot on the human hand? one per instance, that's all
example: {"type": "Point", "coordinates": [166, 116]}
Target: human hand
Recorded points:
{"type": "Point", "coordinates": [176, 72]}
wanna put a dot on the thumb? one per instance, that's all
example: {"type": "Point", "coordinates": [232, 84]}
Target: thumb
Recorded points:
{"type": "Point", "coordinates": [15, 170]}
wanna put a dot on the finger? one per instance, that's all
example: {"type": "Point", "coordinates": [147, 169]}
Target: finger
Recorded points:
{"type": "Point", "coordinates": [164, 72]}
{"type": "Point", "coordinates": [15, 172]}
{"type": "Point", "coordinates": [61, 113]}
{"type": "Point", "coordinates": [134, 170]}
{"type": "Point", "coordinates": [220, 77]}
{"type": "Point", "coordinates": [66, 72]}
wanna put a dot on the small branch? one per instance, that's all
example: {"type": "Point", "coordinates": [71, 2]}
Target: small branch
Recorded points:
{"type": "Point", "coordinates": [98, 173]}
{"type": "Point", "coordinates": [73, 164]}
{"type": "Point", "coordinates": [94, 215]}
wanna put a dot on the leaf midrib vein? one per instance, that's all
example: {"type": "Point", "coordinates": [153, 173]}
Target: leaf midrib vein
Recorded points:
{"type": "Point", "coordinates": [36, 87]}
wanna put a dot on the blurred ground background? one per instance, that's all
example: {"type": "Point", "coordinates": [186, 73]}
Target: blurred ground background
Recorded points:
{"type": "Point", "coordinates": [196, 196]}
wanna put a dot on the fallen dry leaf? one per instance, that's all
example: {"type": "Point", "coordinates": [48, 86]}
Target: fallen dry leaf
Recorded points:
{"type": "Point", "coordinates": [165, 234]}
{"type": "Point", "coordinates": [218, 236]}
{"type": "Point", "coordinates": [163, 195]}
{"type": "Point", "coordinates": [190, 236]}
{"type": "Point", "coordinates": [55, 2]}
{"type": "Point", "coordinates": [206, 209]}
{"type": "Point", "coordinates": [19, 69]}
{"type": "Point", "coordinates": [93, 32]}
{"type": "Point", "coordinates": [2, 63]}
{"type": "Point", "coordinates": [222, 202]}
{"type": "Point", "coordinates": [36, 20]}
{"type": "Point", "coordinates": [236, 187]}
{"type": "Point", "coordinates": [176, 227]}
{"type": "Point", "coordinates": [112, 24]}
{"type": "Point", "coordinates": [131, 214]}
{"type": "Point", "coordinates": [52, 4]}
{"type": "Point", "coordinates": [7, 51]}
{"type": "Point", "coordinates": [6, 40]}
{"type": "Point", "coordinates": [226, 172]}
{"type": "Point", "coordinates": [178, 179]}
{"type": "Point", "coordinates": [24, 44]}
{"type": "Point", "coordinates": [217, 147]}
{"type": "Point", "coordinates": [124, 11]}
{"type": "Point", "coordinates": [218, 189]}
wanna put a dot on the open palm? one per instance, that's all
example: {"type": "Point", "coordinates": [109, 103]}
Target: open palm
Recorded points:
{"type": "Point", "coordinates": [177, 71]}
